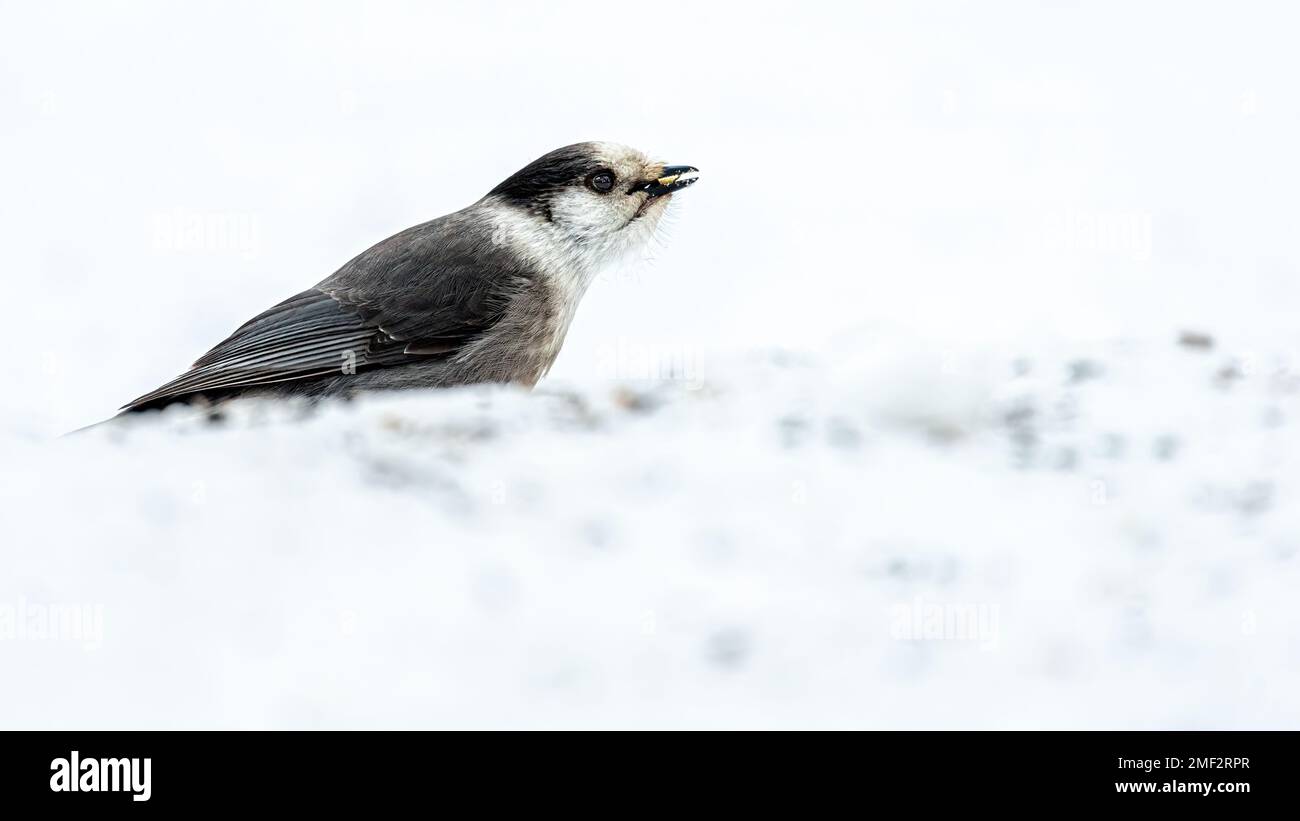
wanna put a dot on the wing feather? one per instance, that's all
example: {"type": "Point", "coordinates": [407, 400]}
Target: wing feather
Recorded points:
{"type": "Point", "coordinates": [307, 336]}
{"type": "Point", "coordinates": [422, 293]}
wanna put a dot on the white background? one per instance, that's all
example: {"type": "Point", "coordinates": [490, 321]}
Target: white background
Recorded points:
{"type": "Point", "coordinates": [953, 167]}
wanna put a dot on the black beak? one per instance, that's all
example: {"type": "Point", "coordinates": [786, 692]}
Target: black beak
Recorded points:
{"type": "Point", "coordinates": [674, 178]}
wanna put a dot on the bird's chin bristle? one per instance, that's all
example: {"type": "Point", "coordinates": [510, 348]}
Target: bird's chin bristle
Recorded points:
{"type": "Point", "coordinates": [649, 204]}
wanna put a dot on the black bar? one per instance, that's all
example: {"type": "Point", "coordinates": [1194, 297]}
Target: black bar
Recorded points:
{"type": "Point", "coordinates": [331, 770]}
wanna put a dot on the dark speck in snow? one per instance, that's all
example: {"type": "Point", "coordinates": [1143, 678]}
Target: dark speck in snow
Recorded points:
{"type": "Point", "coordinates": [729, 648]}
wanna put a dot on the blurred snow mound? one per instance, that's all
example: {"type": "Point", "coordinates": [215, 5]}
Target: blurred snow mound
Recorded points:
{"type": "Point", "coordinates": [895, 536]}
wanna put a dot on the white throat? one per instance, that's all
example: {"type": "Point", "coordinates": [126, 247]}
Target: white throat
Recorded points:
{"type": "Point", "coordinates": [568, 252]}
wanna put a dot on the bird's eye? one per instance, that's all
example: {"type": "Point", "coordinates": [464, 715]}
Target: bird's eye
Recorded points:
{"type": "Point", "coordinates": [601, 181]}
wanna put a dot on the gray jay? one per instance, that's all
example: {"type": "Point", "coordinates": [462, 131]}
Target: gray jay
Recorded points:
{"type": "Point", "coordinates": [485, 294]}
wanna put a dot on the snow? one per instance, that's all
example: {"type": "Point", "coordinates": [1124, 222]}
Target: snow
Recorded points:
{"type": "Point", "coordinates": [1088, 538]}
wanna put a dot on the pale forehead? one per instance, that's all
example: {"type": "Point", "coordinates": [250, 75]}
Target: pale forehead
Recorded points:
{"type": "Point", "coordinates": [622, 159]}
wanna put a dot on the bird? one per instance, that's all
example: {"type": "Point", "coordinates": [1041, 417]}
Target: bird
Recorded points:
{"type": "Point", "coordinates": [482, 295]}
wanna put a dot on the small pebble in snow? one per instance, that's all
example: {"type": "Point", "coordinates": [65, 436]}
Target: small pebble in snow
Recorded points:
{"type": "Point", "coordinates": [635, 401]}
{"type": "Point", "coordinates": [793, 430]}
{"type": "Point", "coordinates": [1255, 498]}
{"type": "Point", "coordinates": [1165, 447]}
{"type": "Point", "coordinates": [729, 649]}
{"type": "Point", "coordinates": [842, 434]}
{"type": "Point", "coordinates": [1196, 340]}
{"type": "Point", "coordinates": [1229, 373]}
{"type": "Point", "coordinates": [1081, 370]}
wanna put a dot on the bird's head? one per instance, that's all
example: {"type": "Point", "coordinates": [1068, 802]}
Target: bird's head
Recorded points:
{"type": "Point", "coordinates": [599, 195]}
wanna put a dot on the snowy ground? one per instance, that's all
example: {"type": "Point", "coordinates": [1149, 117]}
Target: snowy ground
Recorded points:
{"type": "Point", "coordinates": [901, 537]}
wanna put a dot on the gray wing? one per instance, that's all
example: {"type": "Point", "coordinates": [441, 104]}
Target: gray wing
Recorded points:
{"type": "Point", "coordinates": [424, 292]}
{"type": "Point", "coordinates": [305, 336]}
